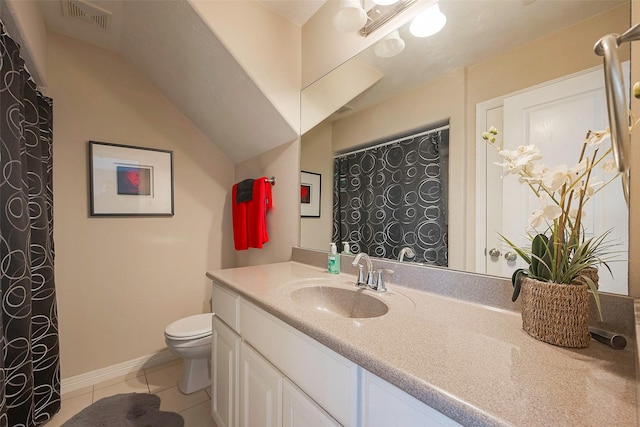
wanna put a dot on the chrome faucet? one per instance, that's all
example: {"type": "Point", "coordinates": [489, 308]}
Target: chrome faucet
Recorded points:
{"type": "Point", "coordinates": [379, 280]}
{"type": "Point", "coordinates": [373, 280]}
{"type": "Point", "coordinates": [363, 279]}
{"type": "Point", "coordinates": [406, 251]}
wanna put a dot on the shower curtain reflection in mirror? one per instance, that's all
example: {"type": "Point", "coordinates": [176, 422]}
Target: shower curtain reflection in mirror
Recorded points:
{"type": "Point", "coordinates": [394, 195]}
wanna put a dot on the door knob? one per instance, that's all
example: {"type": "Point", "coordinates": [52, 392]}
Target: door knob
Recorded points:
{"type": "Point", "coordinates": [510, 256]}
{"type": "Point", "coordinates": [494, 252]}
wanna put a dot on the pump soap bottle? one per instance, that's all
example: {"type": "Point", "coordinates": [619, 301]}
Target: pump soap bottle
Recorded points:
{"type": "Point", "coordinates": [346, 249]}
{"type": "Point", "coordinates": [333, 260]}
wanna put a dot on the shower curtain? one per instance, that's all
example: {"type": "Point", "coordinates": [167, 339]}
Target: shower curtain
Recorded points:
{"type": "Point", "coordinates": [29, 361]}
{"type": "Point", "coordinates": [393, 196]}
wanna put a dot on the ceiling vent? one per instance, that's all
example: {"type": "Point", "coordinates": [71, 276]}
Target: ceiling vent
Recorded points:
{"type": "Point", "coordinates": [81, 10]}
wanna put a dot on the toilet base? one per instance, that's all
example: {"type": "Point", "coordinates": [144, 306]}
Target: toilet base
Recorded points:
{"type": "Point", "coordinates": [196, 375]}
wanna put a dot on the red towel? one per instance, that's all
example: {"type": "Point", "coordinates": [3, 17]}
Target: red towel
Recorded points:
{"type": "Point", "coordinates": [250, 218]}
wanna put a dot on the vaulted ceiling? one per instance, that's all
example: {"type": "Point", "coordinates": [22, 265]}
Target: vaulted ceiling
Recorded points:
{"type": "Point", "coordinates": [172, 46]}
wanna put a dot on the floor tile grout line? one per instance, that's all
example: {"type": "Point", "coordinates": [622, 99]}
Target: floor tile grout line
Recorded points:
{"type": "Point", "coordinates": [191, 407]}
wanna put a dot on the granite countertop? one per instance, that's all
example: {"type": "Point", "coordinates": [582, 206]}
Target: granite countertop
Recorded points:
{"type": "Point", "coordinates": [471, 362]}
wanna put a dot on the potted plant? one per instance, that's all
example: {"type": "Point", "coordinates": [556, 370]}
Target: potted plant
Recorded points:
{"type": "Point", "coordinates": [561, 259]}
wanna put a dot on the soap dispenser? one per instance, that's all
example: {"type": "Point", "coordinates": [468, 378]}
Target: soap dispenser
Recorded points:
{"type": "Point", "coordinates": [346, 249]}
{"type": "Point", "coordinates": [333, 260]}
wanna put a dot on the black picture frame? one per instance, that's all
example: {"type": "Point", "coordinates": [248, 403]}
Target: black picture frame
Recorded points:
{"type": "Point", "coordinates": [126, 180]}
{"type": "Point", "coordinates": [310, 186]}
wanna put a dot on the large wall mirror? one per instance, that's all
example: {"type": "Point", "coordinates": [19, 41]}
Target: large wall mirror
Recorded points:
{"type": "Point", "coordinates": [489, 63]}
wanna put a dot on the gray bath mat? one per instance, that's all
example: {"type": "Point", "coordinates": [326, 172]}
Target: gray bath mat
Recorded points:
{"type": "Point", "coordinates": [125, 410]}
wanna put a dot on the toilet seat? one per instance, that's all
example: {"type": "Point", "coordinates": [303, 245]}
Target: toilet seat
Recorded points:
{"type": "Point", "coordinates": [190, 328]}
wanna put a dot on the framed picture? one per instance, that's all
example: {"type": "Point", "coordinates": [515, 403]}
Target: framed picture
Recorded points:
{"type": "Point", "coordinates": [310, 194]}
{"type": "Point", "coordinates": [127, 181]}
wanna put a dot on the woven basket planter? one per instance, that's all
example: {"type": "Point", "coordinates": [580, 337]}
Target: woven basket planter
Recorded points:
{"type": "Point", "coordinates": [591, 273]}
{"type": "Point", "coordinates": [556, 313]}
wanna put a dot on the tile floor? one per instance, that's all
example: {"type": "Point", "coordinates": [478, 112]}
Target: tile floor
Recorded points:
{"type": "Point", "coordinates": [160, 380]}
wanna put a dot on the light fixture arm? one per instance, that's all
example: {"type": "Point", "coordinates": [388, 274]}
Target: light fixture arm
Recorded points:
{"type": "Point", "coordinates": [377, 21]}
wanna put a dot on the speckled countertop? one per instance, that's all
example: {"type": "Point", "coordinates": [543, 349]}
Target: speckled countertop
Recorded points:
{"type": "Point", "coordinates": [471, 362]}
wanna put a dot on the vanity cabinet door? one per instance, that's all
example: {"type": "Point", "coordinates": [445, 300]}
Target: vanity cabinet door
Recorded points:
{"type": "Point", "coordinates": [224, 374]}
{"type": "Point", "coordinates": [298, 410]}
{"type": "Point", "coordinates": [386, 405]}
{"type": "Point", "coordinates": [260, 390]}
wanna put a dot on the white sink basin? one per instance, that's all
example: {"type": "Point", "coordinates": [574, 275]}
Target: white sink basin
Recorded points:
{"type": "Point", "coordinates": [349, 303]}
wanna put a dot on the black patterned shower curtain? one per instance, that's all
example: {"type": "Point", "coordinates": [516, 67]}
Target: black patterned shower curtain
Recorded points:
{"type": "Point", "coordinates": [393, 196]}
{"type": "Point", "coordinates": [29, 361]}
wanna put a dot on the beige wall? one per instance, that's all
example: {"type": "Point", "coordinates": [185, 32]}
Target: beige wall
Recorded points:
{"type": "Point", "coordinates": [317, 157]}
{"type": "Point", "coordinates": [283, 219]}
{"type": "Point", "coordinates": [25, 24]}
{"type": "Point", "coordinates": [265, 44]}
{"type": "Point", "coordinates": [120, 281]}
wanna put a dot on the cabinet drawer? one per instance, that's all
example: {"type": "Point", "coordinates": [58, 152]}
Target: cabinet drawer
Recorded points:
{"type": "Point", "coordinates": [328, 378]}
{"type": "Point", "coordinates": [225, 305]}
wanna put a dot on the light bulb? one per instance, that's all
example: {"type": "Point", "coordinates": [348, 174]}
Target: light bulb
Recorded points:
{"type": "Point", "coordinates": [428, 22]}
{"type": "Point", "coordinates": [350, 17]}
{"type": "Point", "coordinates": [390, 45]}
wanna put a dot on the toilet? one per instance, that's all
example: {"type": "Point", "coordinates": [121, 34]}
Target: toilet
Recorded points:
{"type": "Point", "coordinates": [190, 339]}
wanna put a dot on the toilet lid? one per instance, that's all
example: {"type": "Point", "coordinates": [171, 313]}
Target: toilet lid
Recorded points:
{"type": "Point", "coordinates": [191, 327]}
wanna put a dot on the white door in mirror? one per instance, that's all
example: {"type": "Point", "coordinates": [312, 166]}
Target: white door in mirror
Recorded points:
{"type": "Point", "coordinates": [556, 118]}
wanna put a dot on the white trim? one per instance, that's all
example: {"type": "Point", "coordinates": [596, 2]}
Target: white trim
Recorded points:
{"type": "Point", "coordinates": [114, 371]}
{"type": "Point", "coordinates": [481, 179]}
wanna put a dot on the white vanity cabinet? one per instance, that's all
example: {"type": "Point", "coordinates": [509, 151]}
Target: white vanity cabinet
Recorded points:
{"type": "Point", "coordinates": [252, 369]}
{"type": "Point", "coordinates": [260, 390]}
{"type": "Point", "coordinates": [386, 405]}
{"type": "Point", "coordinates": [268, 374]}
{"type": "Point", "coordinates": [225, 348]}
{"type": "Point", "coordinates": [298, 410]}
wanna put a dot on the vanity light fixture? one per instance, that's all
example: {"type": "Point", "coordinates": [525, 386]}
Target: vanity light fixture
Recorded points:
{"type": "Point", "coordinates": [391, 45]}
{"type": "Point", "coordinates": [367, 16]}
{"type": "Point", "coordinates": [385, 2]}
{"type": "Point", "coordinates": [428, 22]}
{"type": "Point", "coordinates": [381, 14]}
{"type": "Point", "coordinates": [350, 17]}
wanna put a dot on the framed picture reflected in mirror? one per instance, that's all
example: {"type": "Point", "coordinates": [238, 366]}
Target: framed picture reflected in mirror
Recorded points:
{"type": "Point", "coordinates": [310, 194]}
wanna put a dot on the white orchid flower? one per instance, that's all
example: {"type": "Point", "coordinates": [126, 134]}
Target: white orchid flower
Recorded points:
{"type": "Point", "coordinates": [597, 137]}
{"type": "Point", "coordinates": [561, 175]}
{"type": "Point", "coordinates": [534, 173]}
{"type": "Point", "coordinates": [520, 159]}
{"type": "Point", "coordinates": [556, 178]}
{"type": "Point", "coordinates": [548, 211]}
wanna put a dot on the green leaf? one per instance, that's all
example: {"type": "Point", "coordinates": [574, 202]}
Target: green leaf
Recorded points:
{"type": "Point", "coordinates": [516, 281]}
{"type": "Point", "coordinates": [540, 257]}
{"type": "Point", "coordinates": [594, 290]}
{"type": "Point", "coordinates": [517, 249]}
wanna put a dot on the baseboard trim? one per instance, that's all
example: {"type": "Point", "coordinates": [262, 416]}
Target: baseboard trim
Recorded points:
{"type": "Point", "coordinates": [114, 371]}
